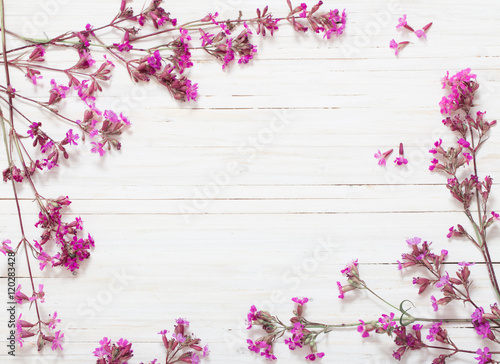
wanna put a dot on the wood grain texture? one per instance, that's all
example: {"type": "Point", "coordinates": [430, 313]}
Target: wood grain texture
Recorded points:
{"type": "Point", "coordinates": [266, 186]}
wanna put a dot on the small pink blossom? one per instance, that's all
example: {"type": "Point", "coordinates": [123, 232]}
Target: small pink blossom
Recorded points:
{"type": "Point", "coordinates": [179, 337]}
{"type": "Point", "coordinates": [5, 248]}
{"type": "Point", "coordinates": [19, 297]}
{"type": "Point", "coordinates": [382, 157]}
{"type": "Point", "coordinates": [465, 264]}
{"type": "Point", "coordinates": [401, 159]}
{"type": "Point", "coordinates": [38, 295]}
{"type": "Point", "coordinates": [97, 148]}
{"type": "Point", "coordinates": [468, 157]}
{"type": "Point", "coordinates": [423, 32]}
{"type": "Point", "coordinates": [300, 301]}
{"type": "Point", "coordinates": [363, 329]}
{"type": "Point", "coordinates": [387, 321]}
{"type": "Point", "coordinates": [402, 23]}
{"type": "Point", "coordinates": [206, 38]}
{"type": "Point", "coordinates": [339, 286]}
{"type": "Point", "coordinates": [420, 33]}
{"type": "Point", "coordinates": [434, 164]}
{"type": "Point", "coordinates": [398, 46]}
{"type": "Point", "coordinates": [484, 356]}
{"type": "Point", "coordinates": [251, 316]}
{"type": "Point", "coordinates": [52, 322]}
{"type": "Point", "coordinates": [414, 241]}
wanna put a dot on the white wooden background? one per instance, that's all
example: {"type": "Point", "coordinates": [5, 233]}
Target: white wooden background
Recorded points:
{"type": "Point", "coordinates": [303, 200]}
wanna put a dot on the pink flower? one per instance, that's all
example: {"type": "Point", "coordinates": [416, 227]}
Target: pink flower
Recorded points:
{"type": "Point", "coordinates": [484, 356]}
{"type": "Point", "coordinates": [420, 33]}
{"type": "Point", "coordinates": [434, 331]}
{"type": "Point", "coordinates": [97, 148]}
{"type": "Point", "coordinates": [363, 329]}
{"type": "Point", "coordinates": [37, 54]}
{"type": "Point", "coordinates": [495, 215]}
{"type": "Point", "coordinates": [229, 56]}
{"type": "Point", "coordinates": [397, 46]}
{"type": "Point", "coordinates": [181, 321]}
{"type": "Point", "coordinates": [451, 232]}
{"type": "Point", "coordinates": [314, 356]}
{"type": "Point", "coordinates": [195, 359]}
{"type": "Point", "coordinates": [434, 164]}
{"type": "Point", "coordinates": [414, 241]}
{"type": "Point", "coordinates": [403, 24]}
{"type": "Point", "coordinates": [38, 295]}
{"type": "Point", "coordinates": [124, 46]}
{"type": "Point", "coordinates": [57, 92]}
{"type": "Point", "coordinates": [251, 316]}
{"type": "Point", "coordinates": [51, 323]}
{"type": "Point", "coordinates": [443, 281]}
{"type": "Point", "coordinates": [253, 347]}
{"type": "Point", "coordinates": [382, 157]}
{"type": "Point", "coordinates": [33, 75]}
{"type": "Point", "coordinates": [179, 337]}
{"type": "Point", "coordinates": [464, 143]}
{"type": "Point", "coordinates": [401, 159]}
{"type": "Point", "coordinates": [434, 303]}
{"type": "Point", "coordinates": [463, 86]}
{"type": "Point", "coordinates": [5, 248]}
{"type": "Point", "coordinates": [468, 157]}
{"type": "Point", "coordinates": [72, 138]}
{"type": "Point", "coordinates": [341, 291]}
{"type": "Point", "coordinates": [437, 146]}
{"type": "Point", "coordinates": [303, 14]}
{"type": "Point", "coordinates": [465, 264]}
{"type": "Point", "coordinates": [155, 60]}
{"type": "Point", "coordinates": [293, 343]}
{"type": "Point", "coordinates": [300, 301]}
{"type": "Point", "coordinates": [19, 297]}
{"type": "Point", "coordinates": [423, 32]}
{"type": "Point", "coordinates": [57, 342]}
{"type": "Point", "coordinates": [184, 35]}
{"type": "Point", "coordinates": [387, 321]}
{"type": "Point", "coordinates": [191, 90]}
{"type": "Point", "coordinates": [206, 38]}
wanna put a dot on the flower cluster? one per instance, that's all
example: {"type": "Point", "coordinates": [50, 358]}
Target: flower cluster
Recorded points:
{"type": "Point", "coordinates": [182, 347]}
{"type": "Point", "coordinates": [422, 257]}
{"type": "Point", "coordinates": [303, 332]}
{"type": "Point", "coordinates": [65, 236]}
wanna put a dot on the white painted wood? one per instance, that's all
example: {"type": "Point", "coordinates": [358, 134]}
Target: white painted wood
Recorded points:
{"type": "Point", "coordinates": [295, 131]}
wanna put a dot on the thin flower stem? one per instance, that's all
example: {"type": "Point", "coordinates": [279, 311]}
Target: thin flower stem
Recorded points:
{"type": "Point", "coordinates": [383, 300]}
{"type": "Point", "coordinates": [482, 232]}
